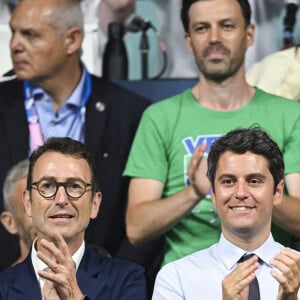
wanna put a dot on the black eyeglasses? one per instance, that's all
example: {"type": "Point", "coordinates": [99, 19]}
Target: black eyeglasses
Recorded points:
{"type": "Point", "coordinates": [74, 188]}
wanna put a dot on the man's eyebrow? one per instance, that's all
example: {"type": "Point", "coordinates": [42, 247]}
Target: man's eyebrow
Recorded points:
{"type": "Point", "coordinates": [55, 178]}
{"type": "Point", "coordinates": [257, 175]}
{"type": "Point", "coordinates": [47, 178]}
{"type": "Point", "coordinates": [226, 175]}
{"type": "Point", "coordinates": [250, 175]}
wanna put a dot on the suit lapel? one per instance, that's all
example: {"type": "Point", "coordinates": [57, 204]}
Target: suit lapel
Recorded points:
{"type": "Point", "coordinates": [26, 286]}
{"type": "Point", "coordinates": [88, 274]}
{"type": "Point", "coordinates": [97, 114]}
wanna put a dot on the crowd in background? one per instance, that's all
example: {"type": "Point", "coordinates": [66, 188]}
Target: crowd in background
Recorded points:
{"type": "Point", "coordinates": [268, 17]}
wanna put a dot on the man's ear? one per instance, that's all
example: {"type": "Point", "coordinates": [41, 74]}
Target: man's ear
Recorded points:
{"type": "Point", "coordinates": [213, 197]}
{"type": "Point", "coordinates": [73, 40]}
{"type": "Point", "coordinates": [8, 222]}
{"type": "Point", "coordinates": [96, 202]}
{"type": "Point", "coordinates": [278, 195]}
{"type": "Point", "coordinates": [250, 35]}
{"type": "Point", "coordinates": [189, 43]}
{"type": "Point", "coordinates": [27, 202]}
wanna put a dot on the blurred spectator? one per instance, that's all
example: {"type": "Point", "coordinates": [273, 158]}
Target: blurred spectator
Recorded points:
{"type": "Point", "coordinates": [14, 218]}
{"type": "Point", "coordinates": [97, 15]}
{"type": "Point", "coordinates": [278, 73]}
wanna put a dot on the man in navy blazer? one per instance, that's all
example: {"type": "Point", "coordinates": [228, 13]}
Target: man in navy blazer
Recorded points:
{"type": "Point", "coordinates": [61, 197]}
{"type": "Point", "coordinates": [98, 276]}
{"type": "Point", "coordinates": [46, 57]}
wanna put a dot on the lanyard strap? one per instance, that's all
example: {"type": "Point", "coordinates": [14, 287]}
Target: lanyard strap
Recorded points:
{"type": "Point", "coordinates": [87, 90]}
{"type": "Point", "coordinates": [35, 130]}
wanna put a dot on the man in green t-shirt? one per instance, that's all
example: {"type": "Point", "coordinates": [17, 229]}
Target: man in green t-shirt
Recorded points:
{"type": "Point", "coordinates": [169, 193]}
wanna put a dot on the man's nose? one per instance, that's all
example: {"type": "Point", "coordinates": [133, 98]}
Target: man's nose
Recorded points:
{"type": "Point", "coordinates": [16, 42]}
{"type": "Point", "coordinates": [61, 196]}
{"type": "Point", "coordinates": [241, 191]}
{"type": "Point", "coordinates": [215, 34]}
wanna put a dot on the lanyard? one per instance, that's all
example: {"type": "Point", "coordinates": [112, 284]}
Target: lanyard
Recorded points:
{"type": "Point", "coordinates": [35, 130]}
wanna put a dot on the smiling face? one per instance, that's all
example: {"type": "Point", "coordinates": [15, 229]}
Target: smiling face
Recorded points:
{"type": "Point", "coordinates": [218, 37]}
{"type": "Point", "coordinates": [244, 195]}
{"type": "Point", "coordinates": [67, 216]}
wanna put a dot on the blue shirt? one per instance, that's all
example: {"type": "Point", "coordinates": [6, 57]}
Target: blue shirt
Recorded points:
{"type": "Point", "coordinates": [69, 120]}
{"type": "Point", "coordinates": [199, 275]}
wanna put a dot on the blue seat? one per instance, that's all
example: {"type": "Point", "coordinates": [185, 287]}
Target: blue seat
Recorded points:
{"type": "Point", "coordinates": [156, 90]}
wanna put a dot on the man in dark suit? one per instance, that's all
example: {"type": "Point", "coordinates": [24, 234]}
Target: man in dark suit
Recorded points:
{"type": "Point", "coordinates": [54, 95]}
{"type": "Point", "coordinates": [61, 197]}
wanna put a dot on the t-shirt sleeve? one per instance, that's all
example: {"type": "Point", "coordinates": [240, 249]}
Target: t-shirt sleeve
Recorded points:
{"type": "Point", "coordinates": [148, 154]}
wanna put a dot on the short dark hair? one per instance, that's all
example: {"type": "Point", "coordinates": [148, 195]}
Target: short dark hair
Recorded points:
{"type": "Point", "coordinates": [67, 146]}
{"type": "Point", "coordinates": [240, 141]}
{"type": "Point", "coordinates": [186, 4]}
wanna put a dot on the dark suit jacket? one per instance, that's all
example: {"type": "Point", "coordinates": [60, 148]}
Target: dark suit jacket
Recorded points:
{"type": "Point", "coordinates": [98, 277]}
{"type": "Point", "coordinates": [109, 130]}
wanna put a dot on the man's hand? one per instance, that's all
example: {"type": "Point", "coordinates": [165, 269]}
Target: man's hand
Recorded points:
{"type": "Point", "coordinates": [197, 172]}
{"type": "Point", "coordinates": [288, 263]}
{"type": "Point", "coordinates": [235, 286]}
{"type": "Point", "coordinates": [61, 282]}
{"type": "Point", "coordinates": [49, 291]}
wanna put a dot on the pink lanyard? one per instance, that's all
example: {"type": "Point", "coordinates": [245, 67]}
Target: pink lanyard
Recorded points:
{"type": "Point", "coordinates": [35, 130]}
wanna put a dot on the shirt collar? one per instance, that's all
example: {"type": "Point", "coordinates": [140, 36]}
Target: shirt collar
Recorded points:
{"type": "Point", "coordinates": [234, 253]}
{"type": "Point", "coordinates": [40, 265]}
{"type": "Point", "coordinates": [75, 98]}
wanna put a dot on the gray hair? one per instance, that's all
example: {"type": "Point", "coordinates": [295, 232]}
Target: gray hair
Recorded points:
{"type": "Point", "coordinates": [66, 14]}
{"type": "Point", "coordinates": [17, 172]}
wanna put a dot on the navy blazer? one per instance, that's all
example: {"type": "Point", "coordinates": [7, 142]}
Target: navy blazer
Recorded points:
{"type": "Point", "coordinates": [112, 116]}
{"type": "Point", "coordinates": [99, 277]}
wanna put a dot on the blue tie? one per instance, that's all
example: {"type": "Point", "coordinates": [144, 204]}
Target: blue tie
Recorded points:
{"type": "Point", "coordinates": [253, 287]}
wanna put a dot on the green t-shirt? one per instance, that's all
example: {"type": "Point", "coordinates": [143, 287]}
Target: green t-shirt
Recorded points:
{"type": "Point", "coordinates": [169, 132]}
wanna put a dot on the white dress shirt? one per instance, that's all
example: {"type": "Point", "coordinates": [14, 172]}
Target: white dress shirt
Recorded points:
{"type": "Point", "coordinates": [40, 265]}
{"type": "Point", "coordinates": [199, 275]}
